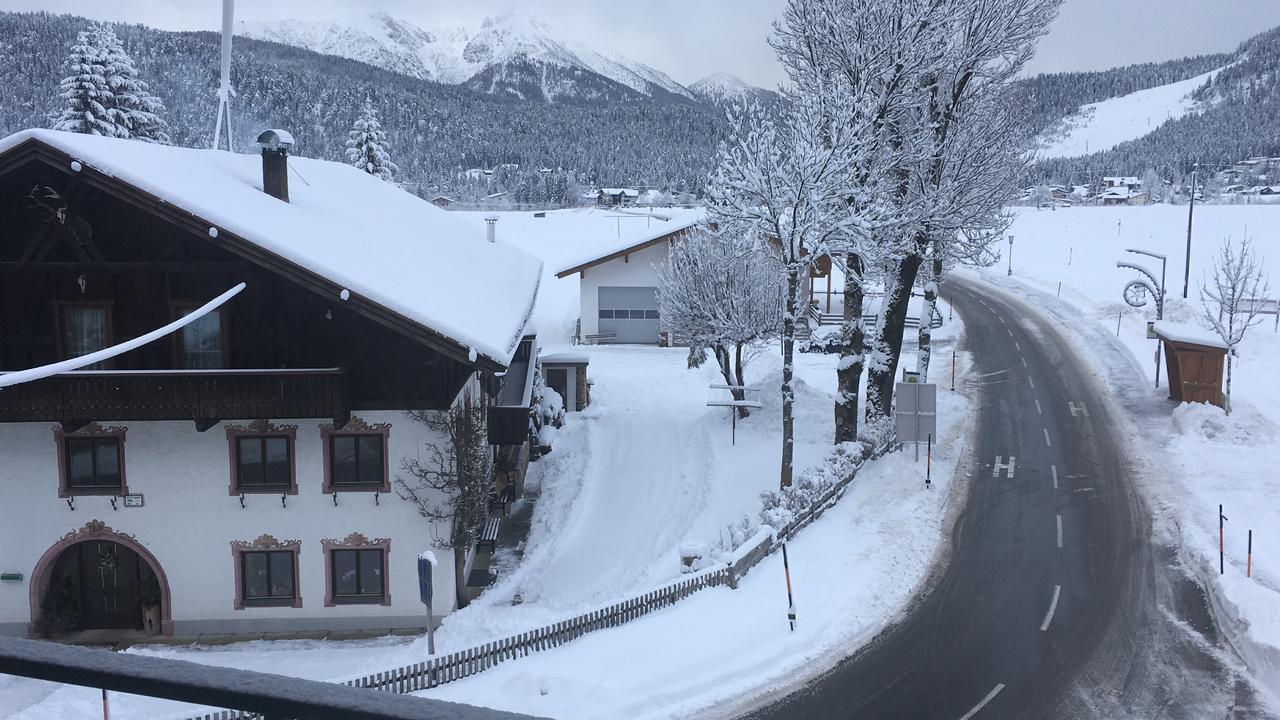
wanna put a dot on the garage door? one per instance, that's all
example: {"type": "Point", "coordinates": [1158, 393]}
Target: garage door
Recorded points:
{"type": "Point", "coordinates": [630, 314]}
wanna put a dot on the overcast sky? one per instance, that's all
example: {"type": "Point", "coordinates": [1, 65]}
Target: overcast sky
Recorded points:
{"type": "Point", "coordinates": [688, 39]}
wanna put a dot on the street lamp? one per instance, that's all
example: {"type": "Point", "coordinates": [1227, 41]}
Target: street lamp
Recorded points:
{"type": "Point", "coordinates": [1135, 292]}
{"type": "Point", "coordinates": [1010, 255]}
{"type": "Point", "coordinates": [1191, 208]}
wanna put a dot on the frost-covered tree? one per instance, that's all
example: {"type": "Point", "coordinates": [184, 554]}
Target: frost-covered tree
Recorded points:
{"type": "Point", "coordinates": [452, 484]}
{"type": "Point", "coordinates": [85, 90]}
{"type": "Point", "coordinates": [722, 293]}
{"type": "Point", "coordinates": [132, 107]}
{"type": "Point", "coordinates": [1230, 299]}
{"type": "Point", "coordinates": [367, 145]}
{"type": "Point", "coordinates": [785, 182]}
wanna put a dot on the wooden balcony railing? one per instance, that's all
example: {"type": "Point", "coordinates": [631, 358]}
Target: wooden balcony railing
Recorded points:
{"type": "Point", "coordinates": [204, 396]}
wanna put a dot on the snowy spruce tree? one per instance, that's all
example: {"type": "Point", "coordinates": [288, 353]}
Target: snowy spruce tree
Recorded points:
{"type": "Point", "coordinates": [85, 90]}
{"type": "Point", "coordinates": [132, 107]}
{"type": "Point", "coordinates": [367, 145]}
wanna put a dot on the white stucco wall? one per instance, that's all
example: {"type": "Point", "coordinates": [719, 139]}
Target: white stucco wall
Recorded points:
{"type": "Point", "coordinates": [637, 270]}
{"type": "Point", "coordinates": [189, 521]}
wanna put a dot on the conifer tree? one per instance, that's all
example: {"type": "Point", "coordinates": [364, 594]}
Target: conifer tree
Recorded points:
{"type": "Point", "coordinates": [133, 107]}
{"type": "Point", "coordinates": [85, 90]}
{"type": "Point", "coordinates": [367, 145]}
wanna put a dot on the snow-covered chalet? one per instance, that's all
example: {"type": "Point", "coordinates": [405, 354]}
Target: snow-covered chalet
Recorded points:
{"type": "Point", "coordinates": [240, 474]}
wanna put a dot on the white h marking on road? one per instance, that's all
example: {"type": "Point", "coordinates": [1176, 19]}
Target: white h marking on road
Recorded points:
{"type": "Point", "coordinates": [1077, 410]}
{"type": "Point", "coordinates": [1053, 606]}
{"type": "Point", "coordinates": [1007, 467]}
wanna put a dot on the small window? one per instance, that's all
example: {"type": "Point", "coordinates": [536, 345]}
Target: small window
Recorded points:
{"type": "Point", "coordinates": [637, 314]}
{"type": "Point", "coordinates": [93, 463]}
{"type": "Point", "coordinates": [263, 463]}
{"type": "Point", "coordinates": [357, 576]}
{"type": "Point", "coordinates": [200, 343]}
{"type": "Point", "coordinates": [84, 329]}
{"type": "Point", "coordinates": [267, 578]}
{"type": "Point", "coordinates": [650, 314]}
{"type": "Point", "coordinates": [357, 459]}
{"type": "Point", "coordinates": [606, 314]}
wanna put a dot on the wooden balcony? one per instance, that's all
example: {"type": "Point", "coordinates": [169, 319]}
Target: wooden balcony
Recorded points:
{"type": "Point", "coordinates": [204, 396]}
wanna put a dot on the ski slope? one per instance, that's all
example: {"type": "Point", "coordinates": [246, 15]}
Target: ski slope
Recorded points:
{"type": "Point", "coordinates": [1103, 125]}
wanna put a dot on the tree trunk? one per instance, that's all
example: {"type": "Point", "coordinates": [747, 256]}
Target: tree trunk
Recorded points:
{"type": "Point", "coordinates": [928, 317]}
{"type": "Point", "coordinates": [1230, 351]}
{"type": "Point", "coordinates": [460, 573]}
{"type": "Point", "coordinates": [788, 355]}
{"type": "Point", "coordinates": [737, 371]}
{"type": "Point", "coordinates": [880, 375]}
{"type": "Point", "coordinates": [727, 372]}
{"type": "Point", "coordinates": [852, 352]}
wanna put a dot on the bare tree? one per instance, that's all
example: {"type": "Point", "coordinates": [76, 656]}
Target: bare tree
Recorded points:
{"type": "Point", "coordinates": [724, 293]}
{"type": "Point", "coordinates": [453, 482]}
{"type": "Point", "coordinates": [1231, 300]}
{"type": "Point", "coordinates": [784, 182]}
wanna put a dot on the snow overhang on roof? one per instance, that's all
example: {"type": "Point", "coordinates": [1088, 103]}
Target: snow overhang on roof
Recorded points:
{"type": "Point", "coordinates": [1188, 333]}
{"type": "Point", "coordinates": [394, 253]}
{"type": "Point", "coordinates": [666, 228]}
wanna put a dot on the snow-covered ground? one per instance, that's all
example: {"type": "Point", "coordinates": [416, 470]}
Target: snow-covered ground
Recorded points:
{"type": "Point", "coordinates": [1203, 456]}
{"type": "Point", "coordinates": [1103, 125]}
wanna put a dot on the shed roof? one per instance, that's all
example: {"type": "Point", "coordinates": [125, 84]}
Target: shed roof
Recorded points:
{"type": "Point", "coordinates": [383, 244]}
{"type": "Point", "coordinates": [1188, 333]}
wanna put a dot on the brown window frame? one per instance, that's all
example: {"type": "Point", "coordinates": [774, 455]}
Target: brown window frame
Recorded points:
{"type": "Point", "coordinates": [356, 541]}
{"type": "Point", "coordinates": [356, 427]}
{"type": "Point", "coordinates": [177, 309]}
{"type": "Point", "coordinates": [265, 544]}
{"type": "Point", "coordinates": [90, 431]}
{"type": "Point", "coordinates": [261, 429]}
{"type": "Point", "coordinates": [60, 325]}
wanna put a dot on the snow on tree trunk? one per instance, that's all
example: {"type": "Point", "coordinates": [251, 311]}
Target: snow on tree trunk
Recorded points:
{"type": "Point", "coordinates": [788, 370]}
{"type": "Point", "coordinates": [928, 317]}
{"type": "Point", "coordinates": [852, 352]}
{"type": "Point", "coordinates": [888, 340]}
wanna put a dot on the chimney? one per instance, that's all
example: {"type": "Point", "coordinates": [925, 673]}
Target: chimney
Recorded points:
{"type": "Point", "coordinates": [491, 223]}
{"type": "Point", "coordinates": [275, 146]}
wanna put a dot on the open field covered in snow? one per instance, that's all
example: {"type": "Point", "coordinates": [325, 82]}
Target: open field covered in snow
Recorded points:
{"type": "Point", "coordinates": [1202, 457]}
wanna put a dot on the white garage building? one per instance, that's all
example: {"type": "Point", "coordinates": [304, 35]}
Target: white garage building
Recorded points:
{"type": "Point", "coordinates": [619, 281]}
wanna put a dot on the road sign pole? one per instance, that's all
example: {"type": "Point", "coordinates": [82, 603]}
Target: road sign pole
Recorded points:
{"type": "Point", "coordinates": [928, 471]}
{"type": "Point", "coordinates": [1248, 568]}
{"type": "Point", "coordinates": [791, 603]}
{"type": "Point", "coordinates": [953, 371]}
{"type": "Point", "coordinates": [1222, 545]}
{"type": "Point", "coordinates": [106, 712]}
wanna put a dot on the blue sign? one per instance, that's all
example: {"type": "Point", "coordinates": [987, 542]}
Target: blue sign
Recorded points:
{"type": "Point", "coordinates": [424, 580]}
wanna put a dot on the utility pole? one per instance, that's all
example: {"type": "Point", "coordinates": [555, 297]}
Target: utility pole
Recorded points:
{"type": "Point", "coordinates": [1010, 255]}
{"type": "Point", "coordinates": [1191, 208]}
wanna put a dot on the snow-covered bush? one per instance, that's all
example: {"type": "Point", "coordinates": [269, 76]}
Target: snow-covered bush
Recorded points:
{"type": "Point", "coordinates": [546, 414]}
{"type": "Point", "coordinates": [783, 506]}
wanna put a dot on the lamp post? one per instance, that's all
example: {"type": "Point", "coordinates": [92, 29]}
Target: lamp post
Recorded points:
{"type": "Point", "coordinates": [1010, 255]}
{"type": "Point", "coordinates": [1135, 291]}
{"type": "Point", "coordinates": [1191, 208]}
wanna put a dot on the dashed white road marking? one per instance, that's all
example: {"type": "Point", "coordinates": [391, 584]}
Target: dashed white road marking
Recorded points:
{"type": "Point", "coordinates": [1054, 470]}
{"type": "Point", "coordinates": [1006, 466]}
{"type": "Point", "coordinates": [1018, 345]}
{"type": "Point", "coordinates": [1059, 532]}
{"type": "Point", "coordinates": [990, 696]}
{"type": "Point", "coordinates": [1047, 441]}
{"type": "Point", "coordinates": [1038, 410]}
{"type": "Point", "coordinates": [1033, 382]}
{"type": "Point", "coordinates": [1053, 607]}
{"type": "Point", "coordinates": [1010, 331]}
{"type": "Point", "coordinates": [1024, 362]}
{"type": "Point", "coordinates": [1001, 319]}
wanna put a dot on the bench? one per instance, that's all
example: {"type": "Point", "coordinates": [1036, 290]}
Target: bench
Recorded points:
{"type": "Point", "coordinates": [1260, 306]}
{"type": "Point", "coordinates": [597, 338]}
{"type": "Point", "coordinates": [489, 535]}
{"type": "Point", "coordinates": [501, 500]}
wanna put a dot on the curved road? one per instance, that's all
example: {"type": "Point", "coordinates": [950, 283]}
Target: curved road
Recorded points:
{"type": "Point", "coordinates": [1054, 602]}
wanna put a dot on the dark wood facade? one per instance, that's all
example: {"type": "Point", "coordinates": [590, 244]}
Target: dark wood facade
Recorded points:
{"type": "Point", "coordinates": [291, 347]}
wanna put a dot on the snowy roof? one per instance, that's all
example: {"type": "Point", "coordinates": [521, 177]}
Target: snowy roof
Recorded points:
{"type": "Point", "coordinates": [620, 191]}
{"type": "Point", "coordinates": [1121, 180]}
{"type": "Point", "coordinates": [1120, 192]}
{"type": "Point", "coordinates": [613, 233]}
{"type": "Point", "coordinates": [386, 246]}
{"type": "Point", "coordinates": [1188, 333]}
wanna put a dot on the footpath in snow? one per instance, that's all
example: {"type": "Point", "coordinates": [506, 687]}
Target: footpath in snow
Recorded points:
{"type": "Point", "coordinates": [1201, 457]}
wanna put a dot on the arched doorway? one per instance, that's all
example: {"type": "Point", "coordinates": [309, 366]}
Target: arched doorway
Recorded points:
{"type": "Point", "coordinates": [96, 578]}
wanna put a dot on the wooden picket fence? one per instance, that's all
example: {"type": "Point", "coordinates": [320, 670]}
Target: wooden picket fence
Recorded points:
{"type": "Point", "coordinates": [464, 663]}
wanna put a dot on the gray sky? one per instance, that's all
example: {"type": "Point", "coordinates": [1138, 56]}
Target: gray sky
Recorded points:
{"type": "Point", "coordinates": [688, 39]}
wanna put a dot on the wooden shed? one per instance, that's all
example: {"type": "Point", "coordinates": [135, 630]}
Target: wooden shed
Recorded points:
{"type": "Point", "coordinates": [1195, 358]}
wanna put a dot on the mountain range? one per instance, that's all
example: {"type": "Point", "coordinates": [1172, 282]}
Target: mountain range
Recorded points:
{"type": "Point", "coordinates": [513, 54]}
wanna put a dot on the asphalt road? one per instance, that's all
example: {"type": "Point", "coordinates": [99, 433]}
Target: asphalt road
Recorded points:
{"type": "Point", "coordinates": [1055, 603]}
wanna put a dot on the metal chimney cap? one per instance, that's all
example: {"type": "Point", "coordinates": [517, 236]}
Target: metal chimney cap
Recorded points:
{"type": "Point", "coordinates": [275, 140]}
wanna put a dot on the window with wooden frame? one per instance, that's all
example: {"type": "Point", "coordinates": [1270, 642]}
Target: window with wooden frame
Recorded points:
{"type": "Point", "coordinates": [91, 461]}
{"type": "Point", "coordinates": [266, 572]}
{"type": "Point", "coordinates": [202, 345]}
{"type": "Point", "coordinates": [83, 328]}
{"type": "Point", "coordinates": [355, 457]}
{"type": "Point", "coordinates": [262, 458]}
{"type": "Point", "coordinates": [356, 571]}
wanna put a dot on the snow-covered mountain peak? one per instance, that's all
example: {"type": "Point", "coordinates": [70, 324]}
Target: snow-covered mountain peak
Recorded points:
{"type": "Point", "coordinates": [720, 88]}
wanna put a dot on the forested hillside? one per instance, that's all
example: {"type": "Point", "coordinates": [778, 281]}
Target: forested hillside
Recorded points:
{"type": "Point", "coordinates": [435, 131]}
